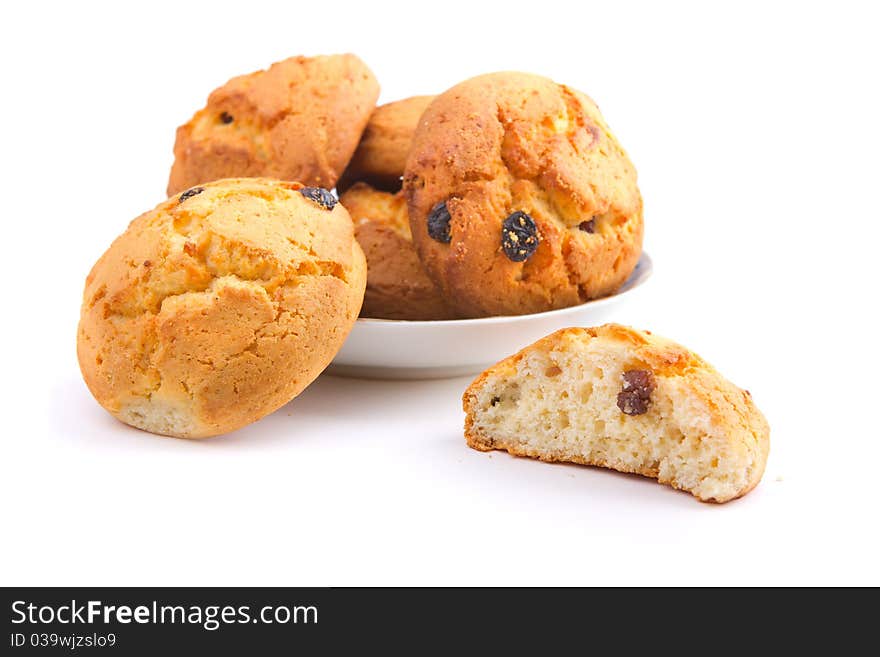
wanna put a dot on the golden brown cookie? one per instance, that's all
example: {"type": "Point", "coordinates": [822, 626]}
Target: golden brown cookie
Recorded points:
{"type": "Point", "coordinates": [520, 198]}
{"type": "Point", "coordinates": [219, 306]}
{"type": "Point", "coordinates": [623, 399]}
{"type": "Point", "coordinates": [299, 120]}
{"type": "Point", "coordinates": [381, 156]}
{"type": "Point", "coordinates": [397, 285]}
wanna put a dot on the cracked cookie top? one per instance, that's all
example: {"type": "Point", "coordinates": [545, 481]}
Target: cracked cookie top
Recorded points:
{"type": "Point", "coordinates": [219, 306]}
{"type": "Point", "coordinates": [300, 119]}
{"type": "Point", "coordinates": [541, 204]}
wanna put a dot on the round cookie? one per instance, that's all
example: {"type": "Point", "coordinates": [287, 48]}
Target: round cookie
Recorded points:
{"type": "Point", "coordinates": [300, 119]}
{"type": "Point", "coordinates": [520, 199]}
{"type": "Point", "coordinates": [219, 306]}
{"type": "Point", "coordinates": [381, 156]}
{"type": "Point", "coordinates": [397, 285]}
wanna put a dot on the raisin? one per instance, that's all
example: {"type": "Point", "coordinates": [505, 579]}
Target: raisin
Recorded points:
{"type": "Point", "coordinates": [190, 193]}
{"type": "Point", "coordinates": [438, 223]}
{"type": "Point", "coordinates": [320, 196]}
{"type": "Point", "coordinates": [519, 236]}
{"type": "Point", "coordinates": [226, 118]}
{"type": "Point", "coordinates": [635, 396]}
{"type": "Point", "coordinates": [588, 226]}
{"type": "Point", "coordinates": [496, 401]}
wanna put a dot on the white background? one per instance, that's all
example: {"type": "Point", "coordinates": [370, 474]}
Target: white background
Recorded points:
{"type": "Point", "coordinates": [755, 132]}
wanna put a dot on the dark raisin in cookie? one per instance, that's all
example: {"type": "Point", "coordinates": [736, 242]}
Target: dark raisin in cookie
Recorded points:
{"type": "Point", "coordinates": [321, 196]}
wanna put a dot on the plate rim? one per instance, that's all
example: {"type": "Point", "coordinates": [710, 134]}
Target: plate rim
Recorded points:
{"type": "Point", "coordinates": [645, 261]}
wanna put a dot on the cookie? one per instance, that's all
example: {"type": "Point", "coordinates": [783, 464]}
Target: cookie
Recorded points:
{"type": "Point", "coordinates": [299, 120]}
{"type": "Point", "coordinates": [397, 285]}
{"type": "Point", "coordinates": [520, 198]}
{"type": "Point", "coordinates": [622, 399]}
{"type": "Point", "coordinates": [381, 156]}
{"type": "Point", "coordinates": [219, 306]}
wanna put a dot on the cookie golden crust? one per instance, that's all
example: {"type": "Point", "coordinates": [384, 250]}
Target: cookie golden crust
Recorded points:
{"type": "Point", "coordinates": [218, 307]}
{"type": "Point", "coordinates": [397, 285]}
{"type": "Point", "coordinates": [505, 143]}
{"type": "Point", "coordinates": [299, 120]}
{"type": "Point", "coordinates": [622, 399]}
{"type": "Point", "coordinates": [380, 157]}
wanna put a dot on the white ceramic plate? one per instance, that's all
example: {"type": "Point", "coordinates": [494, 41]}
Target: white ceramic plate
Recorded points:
{"type": "Point", "coordinates": [395, 349]}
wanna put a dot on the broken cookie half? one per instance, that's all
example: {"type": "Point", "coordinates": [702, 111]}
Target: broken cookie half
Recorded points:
{"type": "Point", "coordinates": [623, 399]}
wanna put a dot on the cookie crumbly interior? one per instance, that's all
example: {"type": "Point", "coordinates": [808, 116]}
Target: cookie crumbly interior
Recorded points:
{"type": "Point", "coordinates": [559, 402]}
